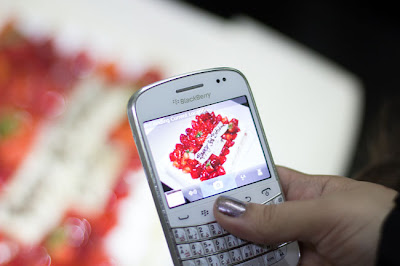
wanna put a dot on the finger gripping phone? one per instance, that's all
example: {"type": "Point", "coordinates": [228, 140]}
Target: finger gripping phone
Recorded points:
{"type": "Point", "coordinates": [199, 136]}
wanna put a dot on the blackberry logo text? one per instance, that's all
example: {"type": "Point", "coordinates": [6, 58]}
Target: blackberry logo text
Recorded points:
{"type": "Point", "coordinates": [192, 99]}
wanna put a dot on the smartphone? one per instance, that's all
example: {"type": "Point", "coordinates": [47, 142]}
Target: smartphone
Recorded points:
{"type": "Point", "coordinates": [199, 136]}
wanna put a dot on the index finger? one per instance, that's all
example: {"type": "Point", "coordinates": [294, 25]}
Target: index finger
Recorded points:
{"type": "Point", "coordinates": [299, 186]}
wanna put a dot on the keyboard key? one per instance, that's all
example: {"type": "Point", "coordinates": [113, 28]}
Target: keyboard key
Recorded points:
{"type": "Point", "coordinates": [204, 231]}
{"type": "Point", "coordinates": [247, 251]}
{"type": "Point", "coordinates": [197, 249]}
{"type": "Point", "coordinates": [216, 229]}
{"type": "Point", "coordinates": [179, 235]}
{"type": "Point", "coordinates": [241, 241]}
{"type": "Point", "coordinates": [253, 262]}
{"type": "Point", "coordinates": [213, 261]}
{"type": "Point", "coordinates": [231, 241]}
{"type": "Point", "coordinates": [201, 262]}
{"type": "Point", "coordinates": [224, 231]}
{"type": "Point", "coordinates": [280, 253]}
{"type": "Point", "coordinates": [184, 251]}
{"type": "Point", "coordinates": [208, 247]}
{"type": "Point", "coordinates": [257, 250]}
{"type": "Point", "coordinates": [191, 233]}
{"type": "Point", "coordinates": [269, 258]}
{"type": "Point", "coordinates": [236, 255]}
{"type": "Point", "coordinates": [220, 244]}
{"type": "Point", "coordinates": [267, 248]}
{"type": "Point", "coordinates": [224, 258]}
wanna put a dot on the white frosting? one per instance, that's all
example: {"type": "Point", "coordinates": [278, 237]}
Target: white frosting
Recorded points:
{"type": "Point", "coordinates": [71, 165]}
{"type": "Point", "coordinates": [213, 143]}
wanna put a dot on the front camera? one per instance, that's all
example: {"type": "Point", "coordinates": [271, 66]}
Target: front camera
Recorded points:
{"type": "Point", "coordinates": [218, 80]}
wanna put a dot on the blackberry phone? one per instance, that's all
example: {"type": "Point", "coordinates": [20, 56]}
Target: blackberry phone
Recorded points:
{"type": "Point", "coordinates": [199, 136]}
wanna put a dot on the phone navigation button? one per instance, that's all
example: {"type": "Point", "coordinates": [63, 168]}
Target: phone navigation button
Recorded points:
{"type": "Point", "coordinates": [266, 191]}
{"type": "Point", "coordinates": [183, 217]}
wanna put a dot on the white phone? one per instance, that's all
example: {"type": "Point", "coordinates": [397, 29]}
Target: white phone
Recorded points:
{"type": "Point", "coordinates": [199, 136]}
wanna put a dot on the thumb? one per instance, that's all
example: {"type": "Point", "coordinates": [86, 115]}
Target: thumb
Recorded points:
{"type": "Point", "coordinates": [272, 224]}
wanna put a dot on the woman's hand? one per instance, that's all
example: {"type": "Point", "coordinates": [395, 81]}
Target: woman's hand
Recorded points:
{"type": "Point", "coordinates": [336, 219]}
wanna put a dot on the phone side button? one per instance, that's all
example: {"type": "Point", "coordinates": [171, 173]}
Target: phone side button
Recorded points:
{"type": "Point", "coordinates": [183, 217]}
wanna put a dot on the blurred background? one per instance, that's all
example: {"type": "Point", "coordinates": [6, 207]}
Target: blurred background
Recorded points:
{"type": "Point", "coordinates": [363, 38]}
{"type": "Point", "coordinates": [72, 190]}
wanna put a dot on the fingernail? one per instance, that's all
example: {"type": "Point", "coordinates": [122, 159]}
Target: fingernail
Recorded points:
{"type": "Point", "coordinates": [230, 206]}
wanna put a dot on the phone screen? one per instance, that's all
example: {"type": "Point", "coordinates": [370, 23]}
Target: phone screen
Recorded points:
{"type": "Point", "coordinates": [206, 151]}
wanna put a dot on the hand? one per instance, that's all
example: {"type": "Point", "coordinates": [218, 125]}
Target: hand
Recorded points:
{"type": "Point", "coordinates": [337, 220]}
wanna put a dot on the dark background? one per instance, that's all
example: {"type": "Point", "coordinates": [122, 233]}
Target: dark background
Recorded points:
{"type": "Point", "coordinates": [362, 37]}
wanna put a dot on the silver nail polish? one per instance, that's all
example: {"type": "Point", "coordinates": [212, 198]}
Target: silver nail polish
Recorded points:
{"type": "Point", "coordinates": [230, 206]}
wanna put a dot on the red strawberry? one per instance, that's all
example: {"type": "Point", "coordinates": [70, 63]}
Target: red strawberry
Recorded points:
{"type": "Point", "coordinates": [186, 169]}
{"type": "Point", "coordinates": [213, 174]}
{"type": "Point", "coordinates": [221, 170]}
{"type": "Point", "coordinates": [195, 173]}
{"type": "Point", "coordinates": [209, 167]}
{"type": "Point", "coordinates": [227, 136]}
{"type": "Point", "coordinates": [214, 161]}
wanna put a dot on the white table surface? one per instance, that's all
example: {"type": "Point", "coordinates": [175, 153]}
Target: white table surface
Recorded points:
{"type": "Point", "coordinates": [311, 109]}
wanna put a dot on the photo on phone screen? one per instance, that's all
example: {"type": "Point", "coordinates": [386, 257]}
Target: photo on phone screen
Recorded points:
{"type": "Point", "coordinates": [206, 151]}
